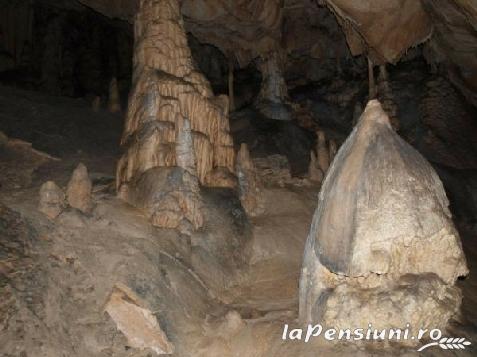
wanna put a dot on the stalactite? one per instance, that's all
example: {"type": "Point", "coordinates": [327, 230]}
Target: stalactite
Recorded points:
{"type": "Point", "coordinates": [272, 100]}
{"type": "Point", "coordinates": [386, 97]}
{"type": "Point", "coordinates": [371, 82]}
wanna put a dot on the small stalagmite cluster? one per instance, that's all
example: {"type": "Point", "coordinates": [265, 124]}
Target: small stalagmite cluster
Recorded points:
{"type": "Point", "coordinates": [249, 185]}
{"type": "Point", "coordinates": [382, 247]}
{"type": "Point", "coordinates": [53, 199]}
{"type": "Point", "coordinates": [167, 91]}
{"type": "Point", "coordinates": [320, 162]}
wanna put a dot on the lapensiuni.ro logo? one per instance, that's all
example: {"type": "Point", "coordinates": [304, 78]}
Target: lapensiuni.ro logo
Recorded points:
{"type": "Point", "coordinates": [370, 334]}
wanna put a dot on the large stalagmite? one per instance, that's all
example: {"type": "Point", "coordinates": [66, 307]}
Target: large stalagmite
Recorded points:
{"type": "Point", "coordinates": [167, 90]}
{"type": "Point", "coordinates": [382, 248]}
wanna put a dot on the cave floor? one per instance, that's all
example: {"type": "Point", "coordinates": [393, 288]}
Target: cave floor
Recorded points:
{"type": "Point", "coordinates": [70, 265]}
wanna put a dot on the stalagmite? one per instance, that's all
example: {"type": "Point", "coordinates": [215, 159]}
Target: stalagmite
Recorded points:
{"type": "Point", "coordinates": [322, 153]}
{"type": "Point", "coordinates": [78, 191]}
{"type": "Point", "coordinates": [382, 247]}
{"type": "Point", "coordinates": [250, 193]}
{"type": "Point", "coordinates": [272, 100]}
{"type": "Point", "coordinates": [314, 172]}
{"type": "Point", "coordinates": [114, 100]}
{"type": "Point", "coordinates": [178, 204]}
{"type": "Point", "coordinates": [52, 200]}
{"type": "Point", "coordinates": [167, 89]}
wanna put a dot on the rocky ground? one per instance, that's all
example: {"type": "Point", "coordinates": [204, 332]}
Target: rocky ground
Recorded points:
{"type": "Point", "coordinates": [224, 291]}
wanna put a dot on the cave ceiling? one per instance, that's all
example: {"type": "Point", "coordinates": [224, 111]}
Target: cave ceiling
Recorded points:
{"type": "Point", "coordinates": [382, 30]}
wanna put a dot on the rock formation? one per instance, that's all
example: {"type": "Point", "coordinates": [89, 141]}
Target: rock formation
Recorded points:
{"type": "Point", "coordinates": [249, 184]}
{"type": "Point", "coordinates": [136, 322]}
{"type": "Point", "coordinates": [114, 100]}
{"type": "Point", "coordinates": [273, 96]}
{"type": "Point", "coordinates": [170, 196]}
{"type": "Point", "coordinates": [167, 89]}
{"type": "Point", "coordinates": [52, 200]}
{"type": "Point", "coordinates": [78, 191]}
{"type": "Point", "coordinates": [382, 247]}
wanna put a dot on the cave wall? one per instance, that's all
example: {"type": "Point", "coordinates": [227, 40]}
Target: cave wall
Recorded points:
{"type": "Point", "coordinates": [63, 50]}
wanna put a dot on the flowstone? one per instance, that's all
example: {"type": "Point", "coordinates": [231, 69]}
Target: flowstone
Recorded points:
{"type": "Point", "coordinates": [382, 247]}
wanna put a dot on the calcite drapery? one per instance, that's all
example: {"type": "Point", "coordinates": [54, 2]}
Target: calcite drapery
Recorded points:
{"type": "Point", "coordinates": [167, 90]}
{"type": "Point", "coordinates": [382, 237]}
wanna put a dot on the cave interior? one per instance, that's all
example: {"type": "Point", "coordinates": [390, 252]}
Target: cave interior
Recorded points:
{"type": "Point", "coordinates": [188, 177]}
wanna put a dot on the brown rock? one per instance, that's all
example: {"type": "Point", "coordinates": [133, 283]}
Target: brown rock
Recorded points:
{"type": "Point", "coordinates": [136, 322]}
{"type": "Point", "coordinates": [52, 199]}
{"type": "Point", "coordinates": [78, 191]}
